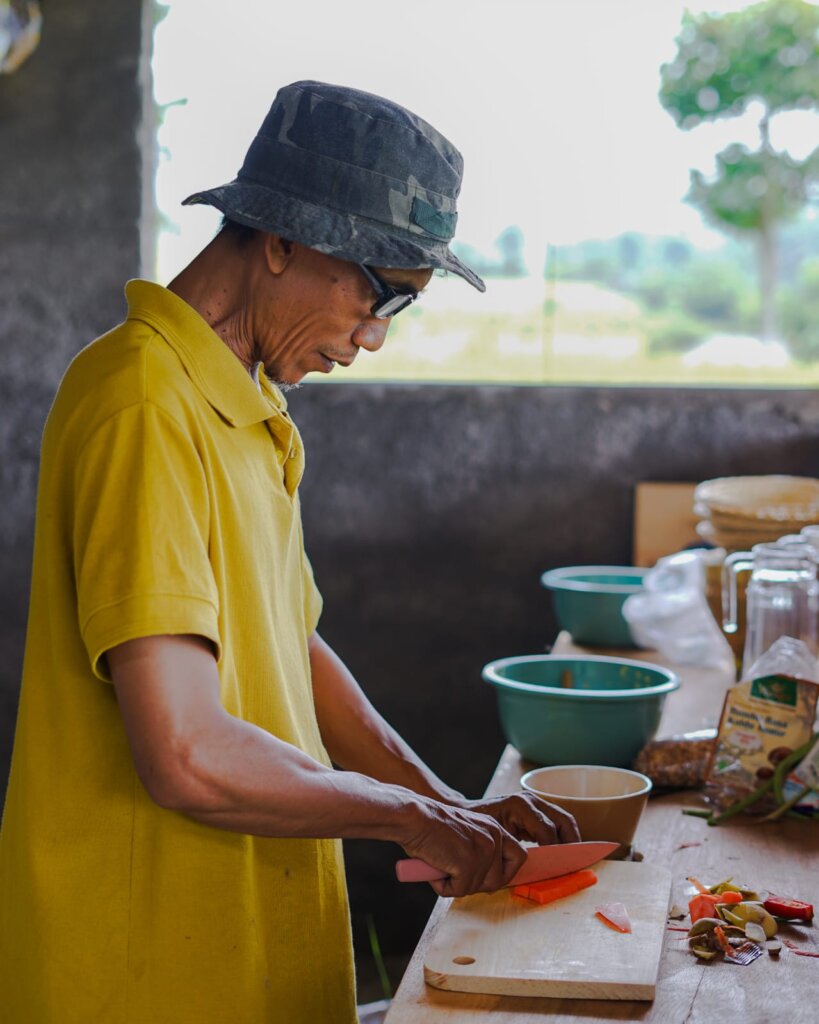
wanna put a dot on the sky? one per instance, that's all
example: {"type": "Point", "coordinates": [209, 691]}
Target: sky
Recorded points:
{"type": "Point", "coordinates": [553, 104]}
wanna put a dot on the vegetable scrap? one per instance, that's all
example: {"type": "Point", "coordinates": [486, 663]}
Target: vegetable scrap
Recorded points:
{"type": "Point", "coordinates": [744, 954]}
{"type": "Point", "coordinates": [791, 910]}
{"type": "Point", "coordinates": [739, 924]}
{"type": "Point", "coordinates": [551, 889]}
{"type": "Point", "coordinates": [615, 916]}
{"type": "Point", "coordinates": [800, 952]}
{"type": "Point", "coordinates": [705, 904]}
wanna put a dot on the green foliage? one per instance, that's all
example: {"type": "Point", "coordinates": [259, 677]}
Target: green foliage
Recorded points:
{"type": "Point", "coordinates": [799, 242]}
{"type": "Point", "coordinates": [622, 262]}
{"type": "Point", "coordinates": [676, 333]}
{"type": "Point", "coordinates": [767, 51]}
{"type": "Point", "coordinates": [751, 188]}
{"type": "Point", "coordinates": [716, 292]}
{"type": "Point", "coordinates": [799, 311]}
{"type": "Point", "coordinates": [508, 263]}
{"type": "Point", "coordinates": [655, 289]}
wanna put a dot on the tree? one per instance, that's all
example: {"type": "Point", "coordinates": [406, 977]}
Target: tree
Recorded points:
{"type": "Point", "coordinates": [766, 53]}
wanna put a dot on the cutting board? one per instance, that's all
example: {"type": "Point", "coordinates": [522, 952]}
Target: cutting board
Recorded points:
{"type": "Point", "coordinates": [501, 944]}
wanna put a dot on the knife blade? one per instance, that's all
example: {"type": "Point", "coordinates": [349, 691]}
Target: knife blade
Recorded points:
{"type": "Point", "coordinates": [541, 862]}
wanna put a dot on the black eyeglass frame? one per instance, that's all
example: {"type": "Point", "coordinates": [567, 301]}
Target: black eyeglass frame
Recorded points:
{"type": "Point", "coordinates": [389, 300]}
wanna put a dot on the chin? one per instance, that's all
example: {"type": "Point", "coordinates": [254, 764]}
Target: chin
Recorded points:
{"type": "Point", "coordinates": [288, 385]}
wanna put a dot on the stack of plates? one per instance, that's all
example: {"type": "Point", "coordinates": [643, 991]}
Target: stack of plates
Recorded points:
{"type": "Point", "coordinates": [740, 511]}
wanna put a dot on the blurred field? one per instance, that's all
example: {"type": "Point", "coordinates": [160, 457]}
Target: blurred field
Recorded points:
{"type": "Point", "coordinates": [533, 331]}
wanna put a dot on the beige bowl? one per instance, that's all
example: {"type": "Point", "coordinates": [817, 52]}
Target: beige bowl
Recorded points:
{"type": "Point", "coordinates": [606, 802]}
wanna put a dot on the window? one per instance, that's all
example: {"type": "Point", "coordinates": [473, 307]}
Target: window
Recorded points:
{"type": "Point", "coordinates": [574, 207]}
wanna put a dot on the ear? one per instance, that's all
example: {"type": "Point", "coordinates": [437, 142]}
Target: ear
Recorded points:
{"type": "Point", "coordinates": [278, 252]}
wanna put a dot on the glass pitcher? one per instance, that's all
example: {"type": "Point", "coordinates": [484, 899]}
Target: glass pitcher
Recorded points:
{"type": "Point", "coordinates": [781, 599]}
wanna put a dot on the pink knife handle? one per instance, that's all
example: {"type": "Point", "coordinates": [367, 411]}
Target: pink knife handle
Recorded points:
{"type": "Point", "coordinates": [413, 870]}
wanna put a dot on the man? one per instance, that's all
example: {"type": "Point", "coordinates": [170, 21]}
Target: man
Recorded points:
{"type": "Point", "coordinates": [170, 848]}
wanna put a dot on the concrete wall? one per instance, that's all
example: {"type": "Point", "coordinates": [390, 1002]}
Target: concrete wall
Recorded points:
{"type": "Point", "coordinates": [429, 511]}
{"type": "Point", "coordinates": [70, 196]}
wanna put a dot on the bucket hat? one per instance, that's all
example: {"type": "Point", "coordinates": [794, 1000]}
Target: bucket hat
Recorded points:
{"type": "Point", "coordinates": [352, 175]}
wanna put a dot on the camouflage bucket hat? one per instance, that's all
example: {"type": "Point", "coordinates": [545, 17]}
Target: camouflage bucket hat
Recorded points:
{"type": "Point", "coordinates": [352, 175]}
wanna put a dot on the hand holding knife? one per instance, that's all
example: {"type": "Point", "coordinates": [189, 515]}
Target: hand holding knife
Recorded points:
{"type": "Point", "coordinates": [541, 862]}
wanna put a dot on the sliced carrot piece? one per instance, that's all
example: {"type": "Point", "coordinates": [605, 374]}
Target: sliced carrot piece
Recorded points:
{"type": "Point", "coordinates": [722, 939]}
{"type": "Point", "coordinates": [614, 915]}
{"type": "Point", "coordinates": [729, 897]}
{"type": "Point", "coordinates": [702, 905]}
{"type": "Point", "coordinates": [551, 889]}
{"type": "Point", "coordinates": [704, 890]}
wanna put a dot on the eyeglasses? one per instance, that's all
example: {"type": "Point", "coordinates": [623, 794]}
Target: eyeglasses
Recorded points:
{"type": "Point", "coordinates": [389, 300]}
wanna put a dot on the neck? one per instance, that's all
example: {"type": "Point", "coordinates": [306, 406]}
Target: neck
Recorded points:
{"type": "Point", "coordinates": [215, 284]}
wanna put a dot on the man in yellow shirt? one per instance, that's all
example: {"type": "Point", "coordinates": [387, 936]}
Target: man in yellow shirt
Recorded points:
{"type": "Point", "coordinates": [170, 845]}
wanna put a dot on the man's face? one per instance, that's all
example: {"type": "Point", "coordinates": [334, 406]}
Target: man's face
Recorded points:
{"type": "Point", "coordinates": [317, 314]}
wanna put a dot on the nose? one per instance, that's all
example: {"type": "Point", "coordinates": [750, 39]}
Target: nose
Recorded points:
{"type": "Point", "coordinates": [370, 334]}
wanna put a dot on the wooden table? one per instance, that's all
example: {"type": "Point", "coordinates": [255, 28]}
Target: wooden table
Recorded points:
{"type": "Point", "coordinates": [783, 857]}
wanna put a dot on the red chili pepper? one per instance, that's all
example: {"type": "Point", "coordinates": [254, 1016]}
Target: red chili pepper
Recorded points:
{"type": "Point", "coordinates": [781, 906]}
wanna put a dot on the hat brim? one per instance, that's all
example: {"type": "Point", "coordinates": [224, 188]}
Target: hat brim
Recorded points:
{"type": "Point", "coordinates": [346, 236]}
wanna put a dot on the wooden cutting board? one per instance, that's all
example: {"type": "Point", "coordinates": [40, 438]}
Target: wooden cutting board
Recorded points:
{"type": "Point", "coordinates": [501, 944]}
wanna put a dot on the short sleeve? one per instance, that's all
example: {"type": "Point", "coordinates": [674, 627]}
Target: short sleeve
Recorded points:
{"type": "Point", "coordinates": [140, 534]}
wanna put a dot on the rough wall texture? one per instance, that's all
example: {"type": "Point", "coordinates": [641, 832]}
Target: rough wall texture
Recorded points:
{"type": "Point", "coordinates": [69, 237]}
{"type": "Point", "coordinates": [429, 511]}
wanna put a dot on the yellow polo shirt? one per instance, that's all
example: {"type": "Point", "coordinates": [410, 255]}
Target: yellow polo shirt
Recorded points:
{"type": "Point", "coordinates": [167, 503]}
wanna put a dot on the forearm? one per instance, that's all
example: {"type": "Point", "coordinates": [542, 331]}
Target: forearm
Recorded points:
{"type": "Point", "coordinates": [356, 736]}
{"type": "Point", "coordinates": [241, 778]}
{"type": "Point", "coordinates": [195, 758]}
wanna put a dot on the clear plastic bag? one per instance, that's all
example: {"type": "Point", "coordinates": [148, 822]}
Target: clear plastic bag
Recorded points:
{"type": "Point", "coordinates": [672, 615]}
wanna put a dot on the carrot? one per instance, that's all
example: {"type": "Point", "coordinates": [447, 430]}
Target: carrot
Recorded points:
{"type": "Point", "coordinates": [699, 886]}
{"type": "Point", "coordinates": [702, 905]}
{"type": "Point", "coordinates": [614, 915]}
{"type": "Point", "coordinates": [551, 889]}
{"type": "Point", "coordinates": [722, 939]}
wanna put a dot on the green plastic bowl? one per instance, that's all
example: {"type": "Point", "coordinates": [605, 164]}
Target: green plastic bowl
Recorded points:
{"type": "Point", "coordinates": [588, 601]}
{"type": "Point", "coordinates": [586, 709]}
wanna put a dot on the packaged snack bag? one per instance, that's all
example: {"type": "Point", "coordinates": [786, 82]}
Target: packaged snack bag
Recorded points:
{"type": "Point", "coordinates": [766, 717]}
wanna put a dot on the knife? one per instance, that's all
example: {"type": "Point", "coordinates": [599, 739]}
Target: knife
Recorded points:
{"type": "Point", "coordinates": [541, 862]}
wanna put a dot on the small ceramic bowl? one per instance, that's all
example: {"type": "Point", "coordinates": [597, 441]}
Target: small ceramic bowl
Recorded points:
{"type": "Point", "coordinates": [606, 802]}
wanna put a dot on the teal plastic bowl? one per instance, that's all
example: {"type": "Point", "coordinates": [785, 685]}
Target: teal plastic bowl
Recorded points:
{"type": "Point", "coordinates": [588, 601]}
{"type": "Point", "coordinates": [586, 709]}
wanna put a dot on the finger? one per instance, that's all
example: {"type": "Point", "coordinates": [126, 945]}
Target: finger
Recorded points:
{"type": "Point", "coordinates": [443, 887]}
{"type": "Point", "coordinates": [567, 829]}
{"type": "Point", "coordinates": [539, 827]}
{"type": "Point", "coordinates": [514, 857]}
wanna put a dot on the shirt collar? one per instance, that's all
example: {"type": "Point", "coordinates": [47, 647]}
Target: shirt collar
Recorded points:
{"type": "Point", "coordinates": [211, 365]}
